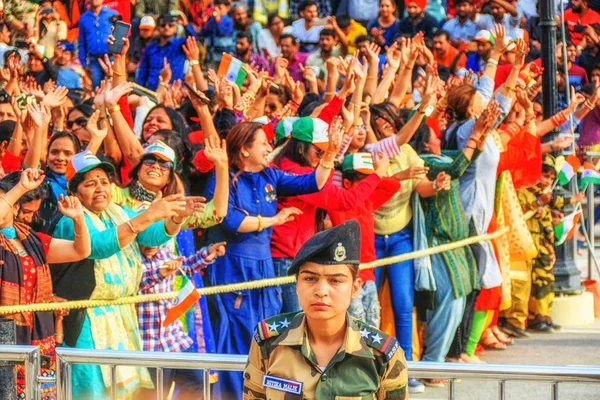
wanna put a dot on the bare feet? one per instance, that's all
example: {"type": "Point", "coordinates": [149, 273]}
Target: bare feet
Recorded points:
{"type": "Point", "coordinates": [471, 359]}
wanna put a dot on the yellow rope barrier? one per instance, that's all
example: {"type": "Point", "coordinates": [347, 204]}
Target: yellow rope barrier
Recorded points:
{"type": "Point", "coordinates": [235, 287]}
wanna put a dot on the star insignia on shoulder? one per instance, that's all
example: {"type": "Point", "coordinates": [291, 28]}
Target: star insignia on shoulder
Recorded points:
{"type": "Point", "coordinates": [376, 338]}
{"type": "Point", "coordinates": [364, 333]}
{"type": "Point", "coordinates": [285, 323]}
{"type": "Point", "coordinates": [273, 327]}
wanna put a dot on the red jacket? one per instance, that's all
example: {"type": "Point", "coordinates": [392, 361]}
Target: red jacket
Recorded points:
{"type": "Point", "coordinates": [289, 237]}
{"type": "Point", "coordinates": [384, 191]}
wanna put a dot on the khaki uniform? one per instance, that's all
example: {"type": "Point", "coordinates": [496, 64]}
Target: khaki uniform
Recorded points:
{"type": "Point", "coordinates": [282, 365]}
{"type": "Point", "coordinates": [541, 267]}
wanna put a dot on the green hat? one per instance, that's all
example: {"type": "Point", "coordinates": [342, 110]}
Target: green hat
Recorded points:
{"type": "Point", "coordinates": [284, 128]}
{"type": "Point", "coordinates": [359, 162]}
{"type": "Point", "coordinates": [162, 151]}
{"type": "Point", "coordinates": [84, 162]}
{"type": "Point", "coordinates": [311, 130]}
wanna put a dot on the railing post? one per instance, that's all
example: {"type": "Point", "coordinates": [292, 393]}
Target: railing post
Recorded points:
{"type": "Point", "coordinates": [32, 372]}
{"type": "Point", "coordinates": [590, 228]}
{"type": "Point", "coordinates": [554, 391]}
{"type": "Point", "coordinates": [159, 384]}
{"type": "Point", "coordinates": [501, 390]}
{"type": "Point", "coordinates": [8, 370]}
{"type": "Point", "coordinates": [113, 382]}
{"type": "Point", "coordinates": [206, 384]}
{"type": "Point", "coordinates": [451, 389]}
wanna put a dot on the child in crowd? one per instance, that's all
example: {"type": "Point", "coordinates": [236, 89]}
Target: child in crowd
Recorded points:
{"type": "Point", "coordinates": [541, 199]}
{"type": "Point", "coordinates": [160, 266]}
{"type": "Point", "coordinates": [218, 32]}
{"type": "Point", "coordinates": [355, 168]}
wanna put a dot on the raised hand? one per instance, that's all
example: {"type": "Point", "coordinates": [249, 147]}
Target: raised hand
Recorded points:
{"type": "Point", "coordinates": [412, 172]}
{"type": "Point", "coordinates": [165, 73]}
{"type": "Point", "coordinates": [31, 179]}
{"type": "Point", "coordinates": [336, 135]}
{"type": "Point", "coordinates": [112, 95]}
{"type": "Point", "coordinates": [498, 35]}
{"type": "Point", "coordinates": [170, 267]}
{"type": "Point", "coordinates": [215, 152]}
{"type": "Point", "coordinates": [373, 51]}
{"type": "Point", "coordinates": [39, 114]}
{"type": "Point", "coordinates": [487, 119]}
{"type": "Point", "coordinates": [70, 207]}
{"type": "Point", "coordinates": [216, 250]}
{"type": "Point", "coordinates": [166, 207]}
{"type": "Point", "coordinates": [190, 48]}
{"type": "Point", "coordinates": [93, 129]}
{"type": "Point", "coordinates": [522, 51]}
{"type": "Point", "coordinates": [56, 98]}
{"type": "Point", "coordinates": [106, 65]}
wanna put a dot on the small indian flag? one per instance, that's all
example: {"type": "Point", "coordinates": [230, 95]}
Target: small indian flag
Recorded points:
{"type": "Point", "coordinates": [589, 175]}
{"type": "Point", "coordinates": [186, 297]}
{"type": "Point", "coordinates": [565, 230]}
{"type": "Point", "coordinates": [231, 68]}
{"type": "Point", "coordinates": [569, 169]}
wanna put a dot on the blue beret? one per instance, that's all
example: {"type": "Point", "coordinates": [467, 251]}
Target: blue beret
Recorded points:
{"type": "Point", "coordinates": [335, 246]}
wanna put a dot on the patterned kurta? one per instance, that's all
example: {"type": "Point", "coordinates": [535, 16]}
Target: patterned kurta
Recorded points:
{"type": "Point", "coordinates": [445, 220]}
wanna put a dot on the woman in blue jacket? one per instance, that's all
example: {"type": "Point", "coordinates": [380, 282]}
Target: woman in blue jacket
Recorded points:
{"type": "Point", "coordinates": [252, 212]}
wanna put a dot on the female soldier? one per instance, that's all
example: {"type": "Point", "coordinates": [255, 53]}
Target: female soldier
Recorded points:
{"type": "Point", "coordinates": [322, 352]}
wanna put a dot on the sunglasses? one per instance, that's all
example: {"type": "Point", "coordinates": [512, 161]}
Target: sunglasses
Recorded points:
{"type": "Point", "coordinates": [163, 165]}
{"type": "Point", "coordinates": [169, 24]}
{"type": "Point", "coordinates": [318, 151]}
{"type": "Point", "coordinates": [81, 121]}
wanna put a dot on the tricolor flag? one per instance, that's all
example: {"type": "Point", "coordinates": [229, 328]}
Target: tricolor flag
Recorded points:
{"type": "Point", "coordinates": [565, 230]}
{"type": "Point", "coordinates": [569, 169]}
{"type": "Point", "coordinates": [231, 68]}
{"type": "Point", "coordinates": [589, 175]}
{"type": "Point", "coordinates": [186, 297]}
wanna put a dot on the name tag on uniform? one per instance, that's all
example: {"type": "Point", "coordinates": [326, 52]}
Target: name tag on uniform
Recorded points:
{"type": "Point", "coordinates": [284, 385]}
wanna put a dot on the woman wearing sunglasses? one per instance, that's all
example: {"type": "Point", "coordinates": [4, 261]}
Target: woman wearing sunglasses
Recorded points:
{"type": "Point", "coordinates": [77, 120]}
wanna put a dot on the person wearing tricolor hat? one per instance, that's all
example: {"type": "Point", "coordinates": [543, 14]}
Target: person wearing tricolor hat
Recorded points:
{"type": "Point", "coordinates": [485, 44]}
{"type": "Point", "coordinates": [301, 155]}
{"type": "Point", "coordinates": [116, 233]}
{"type": "Point", "coordinates": [253, 212]}
{"type": "Point", "coordinates": [356, 168]}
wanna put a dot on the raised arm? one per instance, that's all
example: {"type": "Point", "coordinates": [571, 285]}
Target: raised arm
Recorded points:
{"type": "Point", "coordinates": [40, 116]}
{"type": "Point", "coordinates": [373, 58]}
{"type": "Point", "coordinates": [409, 53]}
{"type": "Point", "coordinates": [190, 48]}
{"type": "Point", "coordinates": [63, 251]}
{"type": "Point", "coordinates": [130, 146]}
{"type": "Point", "coordinates": [393, 63]}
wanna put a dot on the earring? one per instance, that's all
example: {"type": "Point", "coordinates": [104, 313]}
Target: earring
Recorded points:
{"type": "Point", "coordinates": [245, 154]}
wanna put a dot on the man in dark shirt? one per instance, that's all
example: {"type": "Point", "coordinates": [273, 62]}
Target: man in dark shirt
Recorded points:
{"type": "Point", "coordinates": [40, 66]}
{"type": "Point", "coordinates": [418, 20]}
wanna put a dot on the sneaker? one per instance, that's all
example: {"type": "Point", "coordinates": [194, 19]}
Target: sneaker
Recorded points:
{"type": "Point", "coordinates": [415, 386]}
{"type": "Point", "coordinates": [512, 330]}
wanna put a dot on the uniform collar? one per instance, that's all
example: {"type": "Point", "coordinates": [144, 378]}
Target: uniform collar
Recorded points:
{"type": "Point", "coordinates": [354, 344]}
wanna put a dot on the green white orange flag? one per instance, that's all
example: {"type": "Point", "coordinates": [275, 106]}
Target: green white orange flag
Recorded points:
{"type": "Point", "coordinates": [231, 68]}
{"type": "Point", "coordinates": [589, 175]}
{"type": "Point", "coordinates": [186, 297]}
{"type": "Point", "coordinates": [566, 229]}
{"type": "Point", "coordinates": [569, 169]}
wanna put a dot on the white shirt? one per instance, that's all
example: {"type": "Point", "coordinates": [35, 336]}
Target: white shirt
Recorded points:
{"type": "Point", "coordinates": [309, 39]}
{"type": "Point", "coordinates": [510, 23]}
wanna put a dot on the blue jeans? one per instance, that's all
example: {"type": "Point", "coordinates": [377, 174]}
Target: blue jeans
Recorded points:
{"type": "Point", "coordinates": [96, 72]}
{"type": "Point", "coordinates": [289, 298]}
{"type": "Point", "coordinates": [444, 320]}
{"type": "Point", "coordinates": [401, 277]}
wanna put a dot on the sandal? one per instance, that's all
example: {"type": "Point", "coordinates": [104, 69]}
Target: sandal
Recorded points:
{"type": "Point", "coordinates": [501, 336]}
{"type": "Point", "coordinates": [491, 342]}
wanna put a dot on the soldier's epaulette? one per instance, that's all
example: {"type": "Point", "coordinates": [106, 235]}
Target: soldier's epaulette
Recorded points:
{"type": "Point", "coordinates": [272, 327]}
{"type": "Point", "coordinates": [378, 340]}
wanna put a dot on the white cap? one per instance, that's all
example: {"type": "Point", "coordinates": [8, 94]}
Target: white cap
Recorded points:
{"type": "Point", "coordinates": [147, 21]}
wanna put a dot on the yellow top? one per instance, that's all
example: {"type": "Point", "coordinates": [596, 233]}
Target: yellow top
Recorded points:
{"type": "Point", "coordinates": [395, 215]}
{"type": "Point", "coordinates": [356, 31]}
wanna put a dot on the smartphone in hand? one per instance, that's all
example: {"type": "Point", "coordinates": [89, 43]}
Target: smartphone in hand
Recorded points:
{"type": "Point", "coordinates": [121, 31]}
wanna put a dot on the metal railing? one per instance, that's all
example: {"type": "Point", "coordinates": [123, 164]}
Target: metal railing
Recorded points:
{"type": "Point", "coordinates": [29, 356]}
{"type": "Point", "coordinates": [223, 362]}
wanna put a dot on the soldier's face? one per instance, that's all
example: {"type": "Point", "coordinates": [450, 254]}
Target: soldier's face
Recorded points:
{"type": "Point", "coordinates": [325, 291]}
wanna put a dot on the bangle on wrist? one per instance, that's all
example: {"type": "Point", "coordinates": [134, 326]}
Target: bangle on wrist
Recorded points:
{"type": "Point", "coordinates": [130, 225]}
{"type": "Point", "coordinates": [194, 62]}
{"type": "Point", "coordinates": [177, 223]}
{"type": "Point", "coordinates": [260, 223]}
{"type": "Point", "coordinates": [6, 201]}
{"type": "Point", "coordinates": [326, 165]}
{"type": "Point", "coordinates": [114, 109]}
{"type": "Point", "coordinates": [470, 147]}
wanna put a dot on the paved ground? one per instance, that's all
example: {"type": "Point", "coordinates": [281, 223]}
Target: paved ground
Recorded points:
{"type": "Point", "coordinates": [572, 346]}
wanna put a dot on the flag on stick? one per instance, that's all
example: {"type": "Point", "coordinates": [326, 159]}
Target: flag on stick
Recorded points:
{"type": "Point", "coordinates": [589, 175]}
{"type": "Point", "coordinates": [231, 68]}
{"type": "Point", "coordinates": [186, 297]}
{"type": "Point", "coordinates": [566, 229]}
{"type": "Point", "coordinates": [569, 169]}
